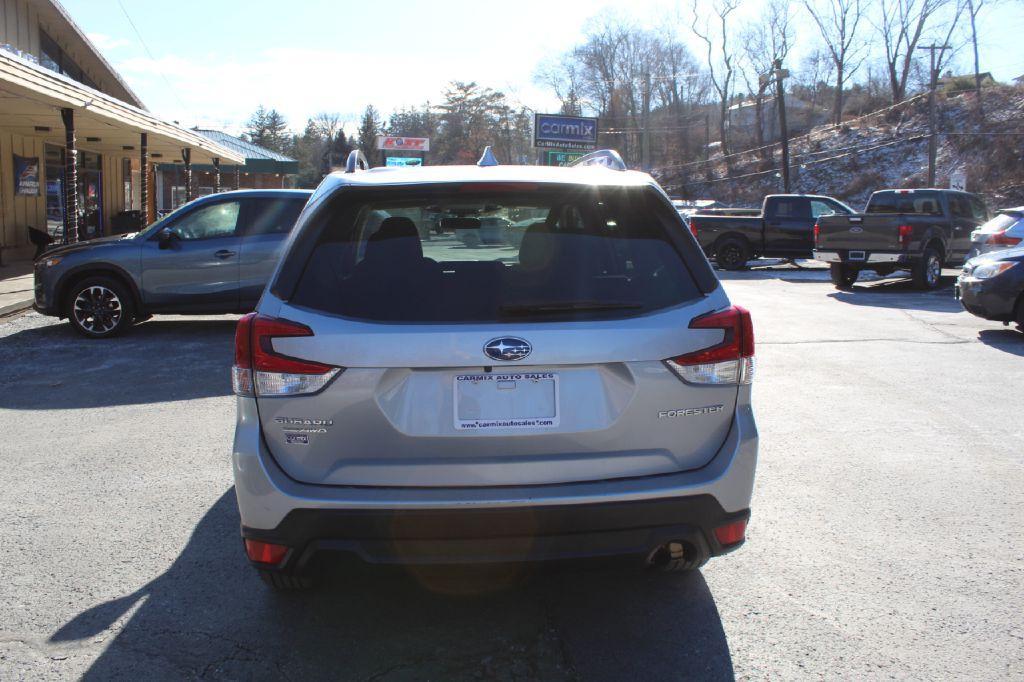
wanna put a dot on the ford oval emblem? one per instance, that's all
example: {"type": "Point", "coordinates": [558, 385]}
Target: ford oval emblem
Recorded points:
{"type": "Point", "coordinates": [856, 230]}
{"type": "Point", "coordinates": [507, 348]}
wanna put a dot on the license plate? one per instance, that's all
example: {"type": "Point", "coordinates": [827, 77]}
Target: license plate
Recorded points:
{"type": "Point", "coordinates": [855, 255]}
{"type": "Point", "coordinates": [511, 400]}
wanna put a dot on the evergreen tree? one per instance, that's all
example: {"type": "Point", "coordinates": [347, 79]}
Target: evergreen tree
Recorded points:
{"type": "Point", "coordinates": [370, 127]}
{"type": "Point", "coordinates": [268, 129]}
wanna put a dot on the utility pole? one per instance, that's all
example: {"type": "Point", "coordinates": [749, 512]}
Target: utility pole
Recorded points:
{"type": "Point", "coordinates": [933, 84]}
{"type": "Point", "coordinates": [780, 97]}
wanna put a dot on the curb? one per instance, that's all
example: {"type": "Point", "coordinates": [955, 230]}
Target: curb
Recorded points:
{"type": "Point", "coordinates": [16, 307]}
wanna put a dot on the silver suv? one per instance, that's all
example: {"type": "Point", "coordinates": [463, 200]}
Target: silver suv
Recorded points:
{"type": "Point", "coordinates": [408, 397]}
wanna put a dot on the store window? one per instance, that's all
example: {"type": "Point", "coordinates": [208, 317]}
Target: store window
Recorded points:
{"type": "Point", "coordinates": [90, 193]}
{"type": "Point", "coordinates": [55, 59]}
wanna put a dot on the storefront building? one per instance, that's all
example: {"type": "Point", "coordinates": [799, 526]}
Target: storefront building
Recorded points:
{"type": "Point", "coordinates": [74, 138]}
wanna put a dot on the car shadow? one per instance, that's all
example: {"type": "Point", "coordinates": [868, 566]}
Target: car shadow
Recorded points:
{"type": "Point", "coordinates": [1006, 340]}
{"type": "Point", "coordinates": [162, 360]}
{"type": "Point", "coordinates": [900, 293]}
{"type": "Point", "coordinates": [209, 614]}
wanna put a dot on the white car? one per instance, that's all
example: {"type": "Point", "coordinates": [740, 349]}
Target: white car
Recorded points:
{"type": "Point", "coordinates": [587, 394]}
{"type": "Point", "coordinates": [1003, 231]}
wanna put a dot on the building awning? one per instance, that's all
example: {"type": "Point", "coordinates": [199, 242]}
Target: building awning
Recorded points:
{"type": "Point", "coordinates": [32, 96]}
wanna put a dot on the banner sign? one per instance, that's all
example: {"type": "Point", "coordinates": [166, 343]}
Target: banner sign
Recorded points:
{"type": "Point", "coordinates": [564, 132]}
{"type": "Point", "coordinates": [403, 161]}
{"type": "Point", "coordinates": [26, 175]}
{"type": "Point", "coordinates": [555, 158]}
{"type": "Point", "coordinates": [407, 144]}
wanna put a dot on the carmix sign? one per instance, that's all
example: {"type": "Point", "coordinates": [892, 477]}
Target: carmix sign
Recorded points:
{"type": "Point", "coordinates": [564, 132]}
{"type": "Point", "coordinates": [400, 143]}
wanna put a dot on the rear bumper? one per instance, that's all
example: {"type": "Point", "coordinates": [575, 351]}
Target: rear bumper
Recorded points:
{"type": "Point", "coordinates": [524, 534]}
{"type": "Point", "coordinates": [512, 523]}
{"type": "Point", "coordinates": [870, 257]}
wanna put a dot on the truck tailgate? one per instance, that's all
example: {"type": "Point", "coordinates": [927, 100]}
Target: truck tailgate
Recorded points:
{"type": "Point", "coordinates": [858, 232]}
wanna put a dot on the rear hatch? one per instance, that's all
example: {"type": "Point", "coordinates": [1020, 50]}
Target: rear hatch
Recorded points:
{"type": "Point", "coordinates": [535, 362]}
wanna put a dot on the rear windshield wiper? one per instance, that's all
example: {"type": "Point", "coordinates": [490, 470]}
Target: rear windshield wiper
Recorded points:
{"type": "Point", "coordinates": [566, 306]}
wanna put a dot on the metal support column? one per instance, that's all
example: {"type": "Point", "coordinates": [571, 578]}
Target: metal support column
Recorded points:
{"type": "Point", "coordinates": [70, 178]}
{"type": "Point", "coordinates": [186, 156]}
{"type": "Point", "coordinates": [216, 175]}
{"type": "Point", "coordinates": [147, 218]}
{"type": "Point", "coordinates": [238, 178]}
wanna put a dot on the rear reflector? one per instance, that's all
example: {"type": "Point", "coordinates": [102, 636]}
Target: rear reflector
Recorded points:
{"type": "Point", "coordinates": [260, 370]}
{"type": "Point", "coordinates": [266, 552]}
{"type": "Point", "coordinates": [732, 533]}
{"type": "Point", "coordinates": [1000, 239]}
{"type": "Point", "coordinates": [728, 362]}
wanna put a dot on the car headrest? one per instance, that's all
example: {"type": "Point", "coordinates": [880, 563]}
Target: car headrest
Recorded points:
{"type": "Point", "coordinates": [396, 239]}
{"type": "Point", "coordinates": [537, 249]}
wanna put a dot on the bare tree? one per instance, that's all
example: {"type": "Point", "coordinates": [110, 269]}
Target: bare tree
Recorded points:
{"type": "Point", "coordinates": [974, 8]}
{"type": "Point", "coordinates": [838, 21]}
{"type": "Point", "coordinates": [903, 24]}
{"type": "Point", "coordinates": [720, 58]}
{"type": "Point", "coordinates": [765, 39]}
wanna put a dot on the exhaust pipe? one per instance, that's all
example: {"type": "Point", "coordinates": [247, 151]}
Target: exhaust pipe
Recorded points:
{"type": "Point", "coordinates": [667, 556]}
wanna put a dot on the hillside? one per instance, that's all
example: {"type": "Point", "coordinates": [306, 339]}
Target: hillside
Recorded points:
{"type": "Point", "coordinates": [888, 148]}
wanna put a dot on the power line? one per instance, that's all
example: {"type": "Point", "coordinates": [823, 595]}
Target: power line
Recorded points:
{"type": "Point", "coordinates": [153, 59]}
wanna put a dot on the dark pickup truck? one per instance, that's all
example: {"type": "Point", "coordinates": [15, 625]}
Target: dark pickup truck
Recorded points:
{"type": "Point", "coordinates": [783, 229]}
{"type": "Point", "coordinates": [917, 229]}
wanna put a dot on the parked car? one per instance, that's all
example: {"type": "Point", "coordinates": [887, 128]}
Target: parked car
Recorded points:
{"type": "Point", "coordinates": [917, 229]}
{"type": "Point", "coordinates": [488, 231]}
{"type": "Point", "coordinates": [784, 228]}
{"type": "Point", "coordinates": [1005, 230]}
{"type": "Point", "coordinates": [212, 255]}
{"type": "Point", "coordinates": [589, 397]}
{"type": "Point", "coordinates": [991, 286]}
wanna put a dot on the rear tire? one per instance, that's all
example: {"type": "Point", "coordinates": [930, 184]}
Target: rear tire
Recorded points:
{"type": "Point", "coordinates": [843, 276]}
{"type": "Point", "coordinates": [927, 271]}
{"type": "Point", "coordinates": [99, 307]}
{"type": "Point", "coordinates": [732, 254]}
{"type": "Point", "coordinates": [285, 583]}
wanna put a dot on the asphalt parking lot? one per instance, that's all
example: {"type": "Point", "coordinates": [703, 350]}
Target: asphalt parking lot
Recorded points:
{"type": "Point", "coordinates": [887, 537]}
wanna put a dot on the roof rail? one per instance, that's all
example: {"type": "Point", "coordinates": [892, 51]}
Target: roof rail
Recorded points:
{"type": "Point", "coordinates": [608, 158]}
{"type": "Point", "coordinates": [356, 161]}
{"type": "Point", "coordinates": [488, 158]}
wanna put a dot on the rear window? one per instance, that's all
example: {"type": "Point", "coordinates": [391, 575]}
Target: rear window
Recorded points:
{"type": "Point", "coordinates": [478, 253]}
{"type": "Point", "coordinates": [1002, 221]}
{"type": "Point", "coordinates": [923, 203]}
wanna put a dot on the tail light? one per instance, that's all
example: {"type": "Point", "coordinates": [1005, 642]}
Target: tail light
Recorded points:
{"type": "Point", "coordinates": [259, 370]}
{"type": "Point", "coordinates": [728, 362]}
{"type": "Point", "coordinates": [693, 227]}
{"type": "Point", "coordinates": [905, 232]}
{"type": "Point", "coordinates": [1000, 239]}
{"type": "Point", "coordinates": [817, 231]}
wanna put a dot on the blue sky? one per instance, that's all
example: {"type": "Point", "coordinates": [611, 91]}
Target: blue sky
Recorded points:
{"type": "Point", "coordinates": [215, 61]}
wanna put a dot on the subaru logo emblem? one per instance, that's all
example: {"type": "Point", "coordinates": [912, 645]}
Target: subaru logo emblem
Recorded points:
{"type": "Point", "coordinates": [507, 348]}
{"type": "Point", "coordinates": [856, 230]}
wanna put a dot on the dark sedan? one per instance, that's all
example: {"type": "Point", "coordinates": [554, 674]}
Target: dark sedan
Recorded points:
{"type": "Point", "coordinates": [992, 286]}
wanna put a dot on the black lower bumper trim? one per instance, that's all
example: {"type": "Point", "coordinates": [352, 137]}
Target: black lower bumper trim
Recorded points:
{"type": "Point", "coordinates": [455, 536]}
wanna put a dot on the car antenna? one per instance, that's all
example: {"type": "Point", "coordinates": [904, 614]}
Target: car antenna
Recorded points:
{"type": "Point", "coordinates": [488, 159]}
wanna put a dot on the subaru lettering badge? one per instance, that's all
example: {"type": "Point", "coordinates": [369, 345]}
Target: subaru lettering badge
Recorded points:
{"type": "Point", "coordinates": [507, 348]}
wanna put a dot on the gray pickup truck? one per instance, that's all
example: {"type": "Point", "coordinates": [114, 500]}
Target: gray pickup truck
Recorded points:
{"type": "Point", "coordinates": [917, 229]}
{"type": "Point", "coordinates": [782, 229]}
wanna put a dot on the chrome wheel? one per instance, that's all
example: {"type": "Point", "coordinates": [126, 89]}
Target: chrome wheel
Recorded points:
{"type": "Point", "coordinates": [97, 310]}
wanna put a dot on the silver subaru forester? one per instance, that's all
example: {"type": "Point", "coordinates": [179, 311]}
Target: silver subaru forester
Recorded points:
{"type": "Point", "coordinates": [577, 385]}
